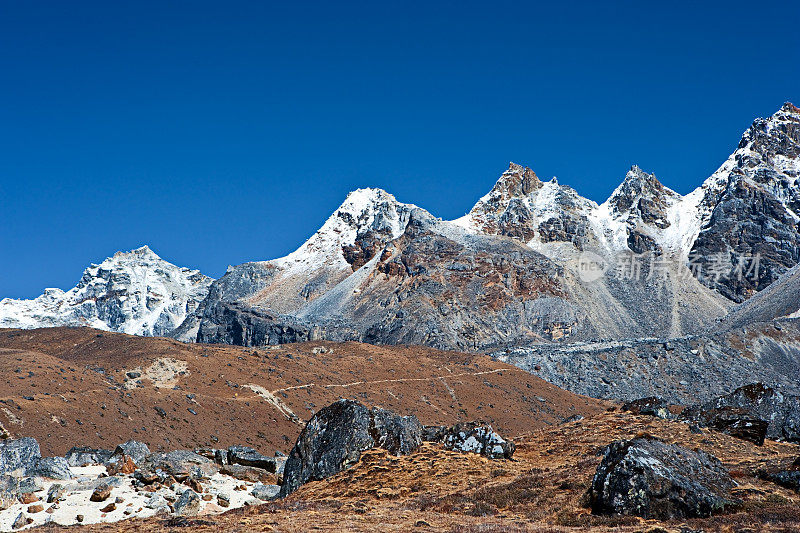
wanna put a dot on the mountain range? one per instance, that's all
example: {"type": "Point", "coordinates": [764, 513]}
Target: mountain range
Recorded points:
{"type": "Point", "coordinates": [532, 262]}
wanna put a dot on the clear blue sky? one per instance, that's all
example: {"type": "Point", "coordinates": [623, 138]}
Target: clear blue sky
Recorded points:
{"type": "Point", "coordinates": [222, 132]}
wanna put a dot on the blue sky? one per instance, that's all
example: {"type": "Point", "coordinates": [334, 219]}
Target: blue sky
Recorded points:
{"type": "Point", "coordinates": [222, 132]}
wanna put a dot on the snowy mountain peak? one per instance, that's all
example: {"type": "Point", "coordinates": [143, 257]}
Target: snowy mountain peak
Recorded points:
{"type": "Point", "coordinates": [364, 211]}
{"type": "Point", "coordinates": [142, 251]}
{"type": "Point", "coordinates": [133, 292]}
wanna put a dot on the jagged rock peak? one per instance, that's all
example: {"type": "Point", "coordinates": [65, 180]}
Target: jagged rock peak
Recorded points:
{"type": "Point", "coordinates": [637, 185]}
{"type": "Point", "coordinates": [143, 252]}
{"type": "Point", "coordinates": [517, 182]}
{"type": "Point", "coordinates": [789, 107]}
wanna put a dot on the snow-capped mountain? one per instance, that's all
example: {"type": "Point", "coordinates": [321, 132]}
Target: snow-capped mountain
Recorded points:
{"type": "Point", "coordinates": [748, 211]}
{"type": "Point", "coordinates": [365, 222]}
{"type": "Point", "coordinates": [383, 271]}
{"type": "Point", "coordinates": [133, 292]}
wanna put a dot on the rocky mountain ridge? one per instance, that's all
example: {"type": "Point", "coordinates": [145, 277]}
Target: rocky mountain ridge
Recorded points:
{"type": "Point", "coordinates": [510, 271]}
{"type": "Point", "coordinates": [133, 292]}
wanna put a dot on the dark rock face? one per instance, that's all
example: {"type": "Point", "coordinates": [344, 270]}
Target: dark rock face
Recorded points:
{"type": "Point", "coordinates": [83, 455]}
{"type": "Point", "coordinates": [754, 210]}
{"type": "Point", "coordinates": [750, 404]}
{"type": "Point", "coordinates": [789, 479]}
{"type": "Point", "coordinates": [242, 455]}
{"type": "Point", "coordinates": [472, 437]}
{"type": "Point", "coordinates": [734, 421]}
{"type": "Point", "coordinates": [651, 406]}
{"type": "Point", "coordinates": [19, 456]}
{"type": "Point", "coordinates": [786, 477]}
{"type": "Point", "coordinates": [335, 437]}
{"type": "Point", "coordinates": [234, 323]}
{"type": "Point", "coordinates": [648, 478]}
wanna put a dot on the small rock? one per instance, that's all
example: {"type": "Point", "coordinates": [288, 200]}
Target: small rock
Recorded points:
{"type": "Point", "coordinates": [35, 508]}
{"type": "Point", "coordinates": [120, 464]}
{"type": "Point", "coordinates": [29, 484]}
{"type": "Point", "coordinates": [21, 521]}
{"type": "Point", "coordinates": [473, 437]}
{"type": "Point", "coordinates": [224, 500]}
{"type": "Point", "coordinates": [156, 501]}
{"type": "Point", "coordinates": [79, 518]}
{"type": "Point", "coordinates": [265, 492]}
{"type": "Point", "coordinates": [101, 493]}
{"type": "Point", "coordinates": [181, 464]}
{"type": "Point", "coordinates": [55, 492]}
{"type": "Point", "coordinates": [650, 406]}
{"type": "Point", "coordinates": [28, 497]}
{"type": "Point", "coordinates": [208, 497]}
{"type": "Point", "coordinates": [108, 508]}
{"type": "Point", "coordinates": [189, 504]}
{"type": "Point", "coordinates": [248, 473]}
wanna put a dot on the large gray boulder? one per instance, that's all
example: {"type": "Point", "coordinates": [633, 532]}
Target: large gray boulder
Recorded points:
{"type": "Point", "coordinates": [83, 455]}
{"type": "Point", "coordinates": [134, 449]}
{"type": "Point", "coordinates": [18, 456]}
{"type": "Point", "coordinates": [335, 437]}
{"type": "Point", "coordinates": [779, 411]}
{"type": "Point", "coordinates": [52, 467]}
{"type": "Point", "coordinates": [180, 464]}
{"type": "Point", "coordinates": [472, 437]}
{"type": "Point", "coordinates": [654, 480]}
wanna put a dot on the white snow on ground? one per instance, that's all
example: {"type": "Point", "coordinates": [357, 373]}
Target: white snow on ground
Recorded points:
{"type": "Point", "coordinates": [78, 491]}
{"type": "Point", "coordinates": [133, 292]}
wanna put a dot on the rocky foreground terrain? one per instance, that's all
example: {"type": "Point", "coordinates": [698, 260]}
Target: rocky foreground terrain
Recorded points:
{"type": "Point", "coordinates": [546, 487]}
{"type": "Point", "coordinates": [232, 439]}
